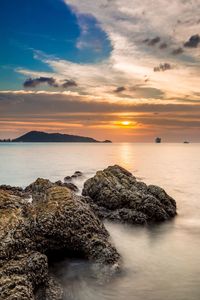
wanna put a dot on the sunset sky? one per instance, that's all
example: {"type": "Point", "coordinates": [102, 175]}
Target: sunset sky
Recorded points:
{"type": "Point", "coordinates": [109, 69]}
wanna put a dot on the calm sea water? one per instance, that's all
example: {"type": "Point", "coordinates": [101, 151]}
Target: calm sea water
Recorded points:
{"type": "Point", "coordinates": [161, 262]}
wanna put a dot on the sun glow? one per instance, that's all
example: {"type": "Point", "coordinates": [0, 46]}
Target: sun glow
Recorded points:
{"type": "Point", "coordinates": [125, 123]}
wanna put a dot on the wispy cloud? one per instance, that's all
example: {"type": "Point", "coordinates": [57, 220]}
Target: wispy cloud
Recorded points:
{"type": "Point", "coordinates": [69, 112]}
{"type": "Point", "coordinates": [132, 59]}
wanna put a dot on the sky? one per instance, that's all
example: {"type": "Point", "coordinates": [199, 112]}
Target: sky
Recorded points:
{"type": "Point", "coordinates": [127, 71]}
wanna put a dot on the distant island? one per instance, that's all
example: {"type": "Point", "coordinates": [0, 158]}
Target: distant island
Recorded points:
{"type": "Point", "coordinates": [44, 137]}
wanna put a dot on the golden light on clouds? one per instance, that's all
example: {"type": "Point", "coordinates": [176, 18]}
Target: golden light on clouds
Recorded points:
{"type": "Point", "coordinates": [126, 123]}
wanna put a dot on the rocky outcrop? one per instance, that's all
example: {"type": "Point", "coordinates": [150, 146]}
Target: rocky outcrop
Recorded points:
{"type": "Point", "coordinates": [68, 185]}
{"type": "Point", "coordinates": [56, 221]}
{"type": "Point", "coordinates": [15, 190]}
{"type": "Point", "coordinates": [42, 184]}
{"type": "Point", "coordinates": [115, 194]}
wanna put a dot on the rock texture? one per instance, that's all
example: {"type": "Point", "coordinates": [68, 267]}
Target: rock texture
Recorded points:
{"type": "Point", "coordinates": [115, 194]}
{"type": "Point", "coordinates": [55, 221]}
{"type": "Point", "coordinates": [69, 185]}
{"type": "Point", "coordinates": [17, 191]}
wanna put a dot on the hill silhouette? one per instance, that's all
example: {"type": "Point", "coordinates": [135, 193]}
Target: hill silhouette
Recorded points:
{"type": "Point", "coordinates": [44, 137]}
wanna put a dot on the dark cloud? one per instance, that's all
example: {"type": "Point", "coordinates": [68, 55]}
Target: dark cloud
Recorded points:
{"type": "Point", "coordinates": [119, 89]}
{"type": "Point", "coordinates": [23, 112]}
{"type": "Point", "coordinates": [46, 103]}
{"type": "Point", "coordinates": [68, 83]}
{"type": "Point", "coordinates": [34, 82]}
{"type": "Point", "coordinates": [163, 67]}
{"type": "Point", "coordinates": [154, 41]}
{"type": "Point", "coordinates": [163, 46]}
{"type": "Point", "coordinates": [177, 51]}
{"type": "Point", "coordinates": [193, 41]}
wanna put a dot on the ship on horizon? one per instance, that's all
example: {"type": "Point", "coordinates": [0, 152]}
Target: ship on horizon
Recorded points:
{"type": "Point", "coordinates": [158, 140]}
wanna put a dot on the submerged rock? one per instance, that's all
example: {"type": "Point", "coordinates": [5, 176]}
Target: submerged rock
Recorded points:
{"type": "Point", "coordinates": [74, 176]}
{"type": "Point", "coordinates": [115, 194]}
{"type": "Point", "coordinates": [67, 178]}
{"type": "Point", "coordinates": [56, 221]}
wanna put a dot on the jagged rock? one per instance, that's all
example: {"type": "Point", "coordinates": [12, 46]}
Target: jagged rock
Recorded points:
{"type": "Point", "coordinates": [15, 190]}
{"type": "Point", "coordinates": [116, 194]}
{"type": "Point", "coordinates": [21, 275]}
{"type": "Point", "coordinates": [51, 290]}
{"type": "Point", "coordinates": [22, 268]}
{"type": "Point", "coordinates": [68, 185]}
{"type": "Point", "coordinates": [55, 221]}
{"type": "Point", "coordinates": [39, 186]}
{"type": "Point", "coordinates": [62, 216]}
{"type": "Point", "coordinates": [15, 228]}
{"type": "Point", "coordinates": [71, 186]}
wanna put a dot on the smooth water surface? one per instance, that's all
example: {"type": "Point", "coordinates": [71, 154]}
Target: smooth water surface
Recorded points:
{"type": "Point", "coordinates": [160, 262]}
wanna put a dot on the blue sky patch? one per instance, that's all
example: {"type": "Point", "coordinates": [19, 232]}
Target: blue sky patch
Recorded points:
{"type": "Point", "coordinates": [49, 26]}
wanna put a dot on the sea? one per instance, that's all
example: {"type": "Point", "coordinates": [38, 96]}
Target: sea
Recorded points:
{"type": "Point", "coordinates": [160, 262]}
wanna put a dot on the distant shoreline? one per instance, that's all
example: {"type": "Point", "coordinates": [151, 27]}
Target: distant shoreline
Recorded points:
{"type": "Point", "coordinates": [44, 137]}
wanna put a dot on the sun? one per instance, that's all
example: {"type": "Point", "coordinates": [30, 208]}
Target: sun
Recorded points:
{"type": "Point", "coordinates": [125, 123]}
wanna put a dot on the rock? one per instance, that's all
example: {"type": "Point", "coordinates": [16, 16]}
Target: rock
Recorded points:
{"type": "Point", "coordinates": [78, 173]}
{"type": "Point", "coordinates": [115, 194]}
{"type": "Point", "coordinates": [39, 186]}
{"type": "Point", "coordinates": [71, 186]}
{"type": "Point", "coordinates": [22, 268]}
{"type": "Point", "coordinates": [51, 290]}
{"type": "Point", "coordinates": [67, 178]}
{"type": "Point", "coordinates": [68, 185]}
{"type": "Point", "coordinates": [107, 141]}
{"type": "Point", "coordinates": [75, 175]}
{"type": "Point", "coordinates": [56, 221]}
{"type": "Point", "coordinates": [63, 216]}
{"type": "Point", "coordinates": [22, 275]}
{"type": "Point", "coordinates": [59, 183]}
{"type": "Point", "coordinates": [16, 190]}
